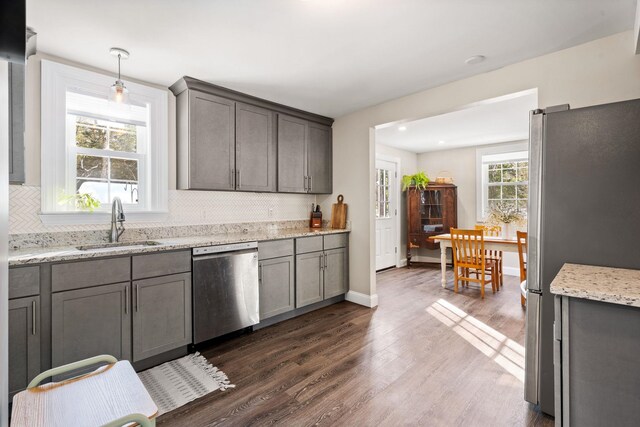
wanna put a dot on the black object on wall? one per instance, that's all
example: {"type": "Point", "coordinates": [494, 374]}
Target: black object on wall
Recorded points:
{"type": "Point", "coordinates": [13, 22]}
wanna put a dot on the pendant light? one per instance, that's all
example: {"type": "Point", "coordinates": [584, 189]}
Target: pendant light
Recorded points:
{"type": "Point", "coordinates": [119, 92]}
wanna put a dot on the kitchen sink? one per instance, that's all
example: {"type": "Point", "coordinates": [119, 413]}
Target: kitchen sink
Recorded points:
{"type": "Point", "coordinates": [118, 245]}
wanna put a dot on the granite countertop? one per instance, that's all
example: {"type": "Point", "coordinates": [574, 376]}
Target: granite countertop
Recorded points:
{"type": "Point", "coordinates": [613, 285]}
{"type": "Point", "coordinates": [65, 253]}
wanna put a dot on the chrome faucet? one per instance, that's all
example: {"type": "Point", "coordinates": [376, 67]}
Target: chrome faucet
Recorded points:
{"type": "Point", "coordinates": [117, 216]}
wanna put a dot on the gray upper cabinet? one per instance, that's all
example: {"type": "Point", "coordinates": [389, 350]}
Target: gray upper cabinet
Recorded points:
{"type": "Point", "coordinates": [24, 342]}
{"type": "Point", "coordinates": [335, 272]}
{"type": "Point", "coordinates": [161, 315]}
{"type": "Point", "coordinates": [16, 123]}
{"type": "Point", "coordinates": [227, 140]}
{"type": "Point", "coordinates": [206, 142]}
{"type": "Point", "coordinates": [255, 148]}
{"type": "Point", "coordinates": [304, 156]}
{"type": "Point", "coordinates": [292, 154]}
{"type": "Point", "coordinates": [277, 286]}
{"type": "Point", "coordinates": [309, 279]}
{"type": "Point", "coordinates": [89, 322]}
{"type": "Point", "coordinates": [320, 163]}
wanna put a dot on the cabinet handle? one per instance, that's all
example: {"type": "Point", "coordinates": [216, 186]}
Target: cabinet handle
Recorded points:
{"type": "Point", "coordinates": [310, 184]}
{"type": "Point", "coordinates": [137, 296]}
{"type": "Point", "coordinates": [260, 274]}
{"type": "Point", "coordinates": [239, 180]}
{"type": "Point", "coordinates": [126, 298]}
{"type": "Point", "coordinates": [305, 183]}
{"type": "Point", "coordinates": [325, 261]}
{"type": "Point", "coordinates": [233, 178]}
{"type": "Point", "coordinates": [33, 317]}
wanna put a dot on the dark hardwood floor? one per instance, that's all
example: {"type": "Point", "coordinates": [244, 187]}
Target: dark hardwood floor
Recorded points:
{"type": "Point", "coordinates": [424, 356]}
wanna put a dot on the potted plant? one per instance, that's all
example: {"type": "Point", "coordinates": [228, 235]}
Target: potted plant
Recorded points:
{"type": "Point", "coordinates": [418, 180]}
{"type": "Point", "coordinates": [504, 215]}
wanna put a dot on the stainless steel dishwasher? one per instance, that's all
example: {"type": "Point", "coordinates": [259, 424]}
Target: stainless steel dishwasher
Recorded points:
{"type": "Point", "coordinates": [225, 289]}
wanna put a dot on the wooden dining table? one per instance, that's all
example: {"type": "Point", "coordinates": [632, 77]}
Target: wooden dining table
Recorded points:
{"type": "Point", "coordinates": [490, 244]}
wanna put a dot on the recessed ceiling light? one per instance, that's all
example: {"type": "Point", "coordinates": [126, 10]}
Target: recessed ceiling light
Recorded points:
{"type": "Point", "coordinates": [475, 59]}
{"type": "Point", "coordinates": [440, 142]}
{"type": "Point", "coordinates": [402, 128]}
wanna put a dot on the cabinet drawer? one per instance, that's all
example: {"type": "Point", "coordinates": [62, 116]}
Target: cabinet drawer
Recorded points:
{"type": "Point", "coordinates": [308, 244]}
{"type": "Point", "coordinates": [333, 241]}
{"type": "Point", "coordinates": [84, 274]}
{"type": "Point", "coordinates": [24, 281]}
{"type": "Point", "coordinates": [275, 249]}
{"type": "Point", "coordinates": [416, 240]}
{"type": "Point", "coordinates": [161, 264]}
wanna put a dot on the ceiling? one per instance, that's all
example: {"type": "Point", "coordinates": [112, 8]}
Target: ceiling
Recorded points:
{"type": "Point", "coordinates": [497, 120]}
{"type": "Point", "coordinates": [330, 57]}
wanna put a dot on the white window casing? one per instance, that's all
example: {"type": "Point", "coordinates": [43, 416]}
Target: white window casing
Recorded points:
{"type": "Point", "coordinates": [58, 150]}
{"type": "Point", "coordinates": [497, 154]}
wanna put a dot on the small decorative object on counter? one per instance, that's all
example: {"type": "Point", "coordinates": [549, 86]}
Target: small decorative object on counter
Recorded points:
{"type": "Point", "coordinates": [339, 214]}
{"type": "Point", "coordinates": [316, 217]}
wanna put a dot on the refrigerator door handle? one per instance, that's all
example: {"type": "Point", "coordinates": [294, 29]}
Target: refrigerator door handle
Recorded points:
{"type": "Point", "coordinates": [532, 348]}
{"type": "Point", "coordinates": [534, 212]}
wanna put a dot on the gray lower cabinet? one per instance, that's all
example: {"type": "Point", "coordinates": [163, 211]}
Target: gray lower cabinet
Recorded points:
{"type": "Point", "coordinates": [255, 148]}
{"type": "Point", "coordinates": [304, 156]}
{"type": "Point", "coordinates": [206, 142]}
{"type": "Point", "coordinates": [277, 286]}
{"type": "Point", "coordinates": [309, 279]}
{"type": "Point", "coordinates": [24, 342]}
{"type": "Point", "coordinates": [161, 314]}
{"type": "Point", "coordinates": [91, 321]}
{"type": "Point", "coordinates": [335, 272]}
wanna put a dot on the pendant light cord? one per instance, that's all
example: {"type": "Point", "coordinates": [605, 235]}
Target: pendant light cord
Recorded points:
{"type": "Point", "coordinates": [119, 66]}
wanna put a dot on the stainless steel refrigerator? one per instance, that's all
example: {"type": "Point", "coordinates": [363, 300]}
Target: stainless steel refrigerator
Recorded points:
{"type": "Point", "coordinates": [584, 208]}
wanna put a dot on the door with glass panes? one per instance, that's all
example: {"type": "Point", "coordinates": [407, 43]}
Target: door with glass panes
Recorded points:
{"type": "Point", "coordinates": [386, 213]}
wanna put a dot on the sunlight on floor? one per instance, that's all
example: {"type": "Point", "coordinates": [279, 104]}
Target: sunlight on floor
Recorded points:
{"type": "Point", "coordinates": [501, 349]}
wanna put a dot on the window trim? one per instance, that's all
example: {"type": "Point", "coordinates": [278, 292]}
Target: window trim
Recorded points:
{"type": "Point", "coordinates": [56, 79]}
{"type": "Point", "coordinates": [481, 188]}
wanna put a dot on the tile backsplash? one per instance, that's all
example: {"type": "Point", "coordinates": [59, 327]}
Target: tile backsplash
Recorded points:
{"type": "Point", "coordinates": [185, 208]}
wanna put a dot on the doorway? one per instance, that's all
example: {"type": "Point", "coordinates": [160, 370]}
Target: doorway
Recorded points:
{"type": "Point", "coordinates": [386, 212]}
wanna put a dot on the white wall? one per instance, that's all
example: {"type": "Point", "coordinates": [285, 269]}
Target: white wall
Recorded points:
{"type": "Point", "coordinates": [461, 165]}
{"type": "Point", "coordinates": [597, 72]}
{"type": "Point", "coordinates": [408, 166]}
{"type": "Point", "coordinates": [185, 207]}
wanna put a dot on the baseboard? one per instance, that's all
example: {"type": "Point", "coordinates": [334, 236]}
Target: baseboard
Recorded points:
{"type": "Point", "coordinates": [403, 263]}
{"type": "Point", "coordinates": [511, 271]}
{"type": "Point", "coordinates": [421, 258]}
{"type": "Point", "coordinates": [362, 299]}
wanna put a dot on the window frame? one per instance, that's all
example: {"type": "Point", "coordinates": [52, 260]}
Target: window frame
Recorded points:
{"type": "Point", "coordinates": [503, 153]}
{"type": "Point", "coordinates": [58, 159]}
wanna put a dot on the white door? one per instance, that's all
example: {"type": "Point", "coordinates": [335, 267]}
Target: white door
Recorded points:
{"type": "Point", "coordinates": [386, 213]}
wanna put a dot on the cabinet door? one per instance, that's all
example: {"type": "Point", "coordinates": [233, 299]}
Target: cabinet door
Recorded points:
{"type": "Point", "coordinates": [255, 149]}
{"type": "Point", "coordinates": [292, 154]}
{"type": "Point", "coordinates": [24, 342]}
{"type": "Point", "coordinates": [211, 142]}
{"type": "Point", "coordinates": [161, 315]}
{"type": "Point", "coordinates": [320, 159]}
{"type": "Point", "coordinates": [89, 322]}
{"type": "Point", "coordinates": [335, 272]}
{"type": "Point", "coordinates": [277, 293]}
{"type": "Point", "coordinates": [16, 125]}
{"type": "Point", "coordinates": [309, 279]}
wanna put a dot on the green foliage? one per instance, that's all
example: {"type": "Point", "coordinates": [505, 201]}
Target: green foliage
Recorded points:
{"type": "Point", "coordinates": [419, 180]}
{"type": "Point", "coordinates": [505, 213]}
{"type": "Point", "coordinates": [82, 201]}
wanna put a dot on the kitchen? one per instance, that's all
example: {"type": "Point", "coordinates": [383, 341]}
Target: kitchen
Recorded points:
{"type": "Point", "coordinates": [184, 222]}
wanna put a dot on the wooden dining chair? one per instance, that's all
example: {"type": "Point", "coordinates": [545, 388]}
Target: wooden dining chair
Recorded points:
{"type": "Point", "coordinates": [470, 263]}
{"type": "Point", "coordinates": [522, 251]}
{"type": "Point", "coordinates": [494, 231]}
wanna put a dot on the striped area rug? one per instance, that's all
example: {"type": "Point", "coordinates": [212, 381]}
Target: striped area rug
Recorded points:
{"type": "Point", "coordinates": [180, 381]}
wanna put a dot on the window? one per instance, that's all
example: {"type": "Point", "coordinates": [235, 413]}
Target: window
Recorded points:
{"type": "Point", "coordinates": [503, 178]}
{"type": "Point", "coordinates": [96, 147]}
{"type": "Point", "coordinates": [382, 194]}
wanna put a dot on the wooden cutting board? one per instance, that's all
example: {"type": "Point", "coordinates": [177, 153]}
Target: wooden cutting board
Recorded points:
{"type": "Point", "coordinates": [339, 214]}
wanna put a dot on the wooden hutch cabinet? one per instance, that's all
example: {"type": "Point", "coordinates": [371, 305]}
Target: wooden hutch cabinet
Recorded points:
{"type": "Point", "coordinates": [430, 212]}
